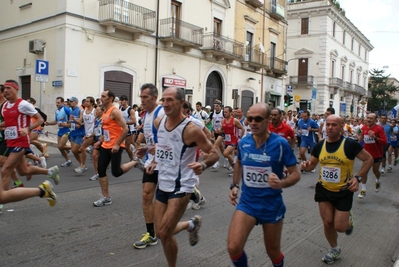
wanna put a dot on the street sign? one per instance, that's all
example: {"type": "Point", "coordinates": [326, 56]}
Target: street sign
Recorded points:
{"type": "Point", "coordinates": [342, 107]}
{"type": "Point", "coordinates": [41, 78]}
{"type": "Point", "coordinates": [297, 98]}
{"type": "Point", "coordinates": [56, 83]}
{"type": "Point", "coordinates": [289, 89]}
{"type": "Point", "coordinates": [314, 93]}
{"type": "Point", "coordinates": [41, 70]}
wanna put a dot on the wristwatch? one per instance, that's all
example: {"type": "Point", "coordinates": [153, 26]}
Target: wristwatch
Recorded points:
{"type": "Point", "coordinates": [234, 185]}
{"type": "Point", "coordinates": [359, 178]}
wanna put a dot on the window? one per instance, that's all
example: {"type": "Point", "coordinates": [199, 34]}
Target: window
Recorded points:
{"type": "Point", "coordinates": [305, 26]}
{"type": "Point", "coordinates": [351, 76]}
{"type": "Point", "coordinates": [272, 54]}
{"type": "Point", "coordinates": [175, 9]}
{"type": "Point", "coordinates": [217, 27]}
{"type": "Point", "coordinates": [333, 69]}
{"type": "Point", "coordinates": [343, 37]}
{"type": "Point", "coordinates": [360, 48]}
{"type": "Point", "coordinates": [343, 72]}
{"type": "Point", "coordinates": [358, 78]}
{"type": "Point", "coordinates": [353, 43]}
{"type": "Point", "coordinates": [248, 46]}
{"type": "Point", "coordinates": [334, 25]}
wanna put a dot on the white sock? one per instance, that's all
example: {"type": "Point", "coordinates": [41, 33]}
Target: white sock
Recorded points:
{"type": "Point", "coordinates": [377, 180]}
{"type": "Point", "coordinates": [49, 172]}
{"type": "Point", "coordinates": [190, 225]}
{"type": "Point", "coordinates": [363, 186]}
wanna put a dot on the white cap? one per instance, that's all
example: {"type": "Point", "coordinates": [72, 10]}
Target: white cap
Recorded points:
{"type": "Point", "coordinates": [208, 107]}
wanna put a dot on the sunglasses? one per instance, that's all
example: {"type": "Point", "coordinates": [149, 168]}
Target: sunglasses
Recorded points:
{"type": "Point", "coordinates": [257, 119]}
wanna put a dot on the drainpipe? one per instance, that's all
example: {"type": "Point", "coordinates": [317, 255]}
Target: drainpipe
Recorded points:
{"type": "Point", "coordinates": [156, 47]}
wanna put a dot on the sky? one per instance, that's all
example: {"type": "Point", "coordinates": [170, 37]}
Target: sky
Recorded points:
{"type": "Point", "coordinates": [378, 21]}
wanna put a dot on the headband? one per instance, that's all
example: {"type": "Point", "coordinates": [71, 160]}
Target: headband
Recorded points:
{"type": "Point", "coordinates": [13, 85]}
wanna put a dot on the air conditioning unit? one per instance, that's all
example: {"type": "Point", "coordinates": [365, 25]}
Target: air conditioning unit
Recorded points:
{"type": "Point", "coordinates": [36, 46]}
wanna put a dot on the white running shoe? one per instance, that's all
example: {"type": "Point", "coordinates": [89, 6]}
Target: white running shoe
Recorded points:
{"type": "Point", "coordinates": [81, 169]}
{"type": "Point", "coordinates": [94, 177]}
{"type": "Point", "coordinates": [226, 163]}
{"type": "Point", "coordinates": [43, 162]}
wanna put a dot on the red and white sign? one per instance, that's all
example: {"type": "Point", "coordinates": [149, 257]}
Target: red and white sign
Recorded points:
{"type": "Point", "coordinates": [168, 82]}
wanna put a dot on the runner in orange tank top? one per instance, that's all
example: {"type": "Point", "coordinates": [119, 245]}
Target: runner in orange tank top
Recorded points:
{"type": "Point", "coordinates": [111, 146]}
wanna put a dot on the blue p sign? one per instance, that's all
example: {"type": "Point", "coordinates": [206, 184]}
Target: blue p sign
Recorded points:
{"type": "Point", "coordinates": [42, 67]}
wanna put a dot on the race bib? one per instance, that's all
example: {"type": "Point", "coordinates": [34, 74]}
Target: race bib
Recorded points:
{"type": "Point", "coordinates": [305, 132]}
{"type": "Point", "coordinates": [107, 136]}
{"type": "Point", "coordinates": [394, 138]}
{"type": "Point", "coordinates": [11, 133]}
{"type": "Point", "coordinates": [227, 138]}
{"type": "Point", "coordinates": [368, 139]}
{"type": "Point", "coordinates": [88, 119]}
{"type": "Point", "coordinates": [331, 174]}
{"type": "Point", "coordinates": [97, 131]}
{"type": "Point", "coordinates": [256, 176]}
{"type": "Point", "coordinates": [149, 139]}
{"type": "Point", "coordinates": [164, 155]}
{"type": "Point", "coordinates": [73, 126]}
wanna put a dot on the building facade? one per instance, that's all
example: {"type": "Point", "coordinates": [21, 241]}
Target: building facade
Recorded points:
{"type": "Point", "coordinates": [218, 49]}
{"type": "Point", "coordinates": [328, 58]}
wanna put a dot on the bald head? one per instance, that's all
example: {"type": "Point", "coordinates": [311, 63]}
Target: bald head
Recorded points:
{"type": "Point", "coordinates": [261, 107]}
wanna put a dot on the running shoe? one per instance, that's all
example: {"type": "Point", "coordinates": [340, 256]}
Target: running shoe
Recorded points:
{"type": "Point", "coordinates": [226, 163]}
{"type": "Point", "coordinates": [351, 224]}
{"type": "Point", "coordinates": [1, 208]}
{"type": "Point", "coordinates": [89, 150]}
{"type": "Point", "coordinates": [389, 169]}
{"type": "Point", "coordinates": [94, 177]}
{"type": "Point", "coordinates": [190, 204]}
{"type": "Point", "coordinates": [230, 169]}
{"type": "Point", "coordinates": [54, 174]}
{"type": "Point", "coordinates": [313, 171]}
{"type": "Point", "coordinates": [104, 201]}
{"type": "Point", "coordinates": [332, 256]}
{"type": "Point", "coordinates": [43, 162]}
{"type": "Point", "coordinates": [216, 165]}
{"type": "Point", "coordinates": [382, 170]}
{"type": "Point", "coordinates": [145, 241]}
{"type": "Point", "coordinates": [49, 194]}
{"type": "Point", "coordinates": [193, 233]}
{"type": "Point", "coordinates": [15, 186]}
{"type": "Point", "coordinates": [81, 169]}
{"type": "Point", "coordinates": [66, 163]}
{"type": "Point", "coordinates": [362, 194]}
{"type": "Point", "coordinates": [197, 206]}
{"type": "Point", "coordinates": [396, 162]}
{"type": "Point", "coordinates": [377, 186]}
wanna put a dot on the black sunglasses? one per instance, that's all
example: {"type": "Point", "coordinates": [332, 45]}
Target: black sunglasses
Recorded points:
{"type": "Point", "coordinates": [257, 119]}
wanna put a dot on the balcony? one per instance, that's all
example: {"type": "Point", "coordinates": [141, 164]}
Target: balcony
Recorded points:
{"type": "Point", "coordinates": [360, 90]}
{"type": "Point", "coordinates": [123, 15]}
{"type": "Point", "coordinates": [349, 87]}
{"type": "Point", "coordinates": [299, 80]}
{"type": "Point", "coordinates": [276, 65]}
{"type": "Point", "coordinates": [277, 11]}
{"type": "Point", "coordinates": [336, 83]}
{"type": "Point", "coordinates": [222, 48]}
{"type": "Point", "coordinates": [255, 3]}
{"type": "Point", "coordinates": [254, 58]}
{"type": "Point", "coordinates": [175, 31]}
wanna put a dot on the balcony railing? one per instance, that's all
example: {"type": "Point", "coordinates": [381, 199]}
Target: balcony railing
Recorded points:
{"type": "Point", "coordinates": [308, 80]}
{"type": "Point", "coordinates": [277, 11]}
{"type": "Point", "coordinates": [177, 30]}
{"type": "Point", "coordinates": [360, 90]}
{"type": "Point", "coordinates": [336, 82]}
{"type": "Point", "coordinates": [277, 64]}
{"type": "Point", "coordinates": [127, 16]}
{"type": "Point", "coordinates": [349, 87]}
{"type": "Point", "coordinates": [254, 56]}
{"type": "Point", "coordinates": [220, 45]}
{"type": "Point", "coordinates": [255, 3]}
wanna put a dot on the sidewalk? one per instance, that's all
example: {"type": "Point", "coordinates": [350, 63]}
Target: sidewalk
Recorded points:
{"type": "Point", "coordinates": [51, 139]}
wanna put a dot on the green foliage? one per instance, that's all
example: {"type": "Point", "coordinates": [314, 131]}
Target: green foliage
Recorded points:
{"type": "Point", "coordinates": [381, 91]}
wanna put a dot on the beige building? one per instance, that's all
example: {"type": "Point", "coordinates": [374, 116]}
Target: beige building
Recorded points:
{"type": "Point", "coordinates": [328, 58]}
{"type": "Point", "coordinates": [213, 49]}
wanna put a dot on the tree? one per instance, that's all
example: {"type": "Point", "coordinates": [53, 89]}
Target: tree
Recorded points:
{"type": "Point", "coordinates": [381, 91]}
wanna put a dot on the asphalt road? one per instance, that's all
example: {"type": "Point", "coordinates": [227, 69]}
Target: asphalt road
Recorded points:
{"type": "Point", "coordinates": [75, 233]}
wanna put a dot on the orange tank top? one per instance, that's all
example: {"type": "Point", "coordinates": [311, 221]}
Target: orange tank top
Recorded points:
{"type": "Point", "coordinates": [111, 130]}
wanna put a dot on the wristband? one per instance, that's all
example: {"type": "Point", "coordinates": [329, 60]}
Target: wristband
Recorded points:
{"type": "Point", "coordinates": [234, 185]}
{"type": "Point", "coordinates": [204, 166]}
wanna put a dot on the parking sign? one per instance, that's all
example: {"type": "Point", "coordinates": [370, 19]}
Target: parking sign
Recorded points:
{"type": "Point", "coordinates": [41, 70]}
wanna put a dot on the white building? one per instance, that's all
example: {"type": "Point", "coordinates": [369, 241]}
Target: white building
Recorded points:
{"type": "Point", "coordinates": [92, 45]}
{"type": "Point", "coordinates": [328, 57]}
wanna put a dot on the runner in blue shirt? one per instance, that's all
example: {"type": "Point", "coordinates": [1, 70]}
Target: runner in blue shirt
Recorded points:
{"type": "Point", "coordinates": [307, 129]}
{"type": "Point", "coordinates": [261, 158]}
